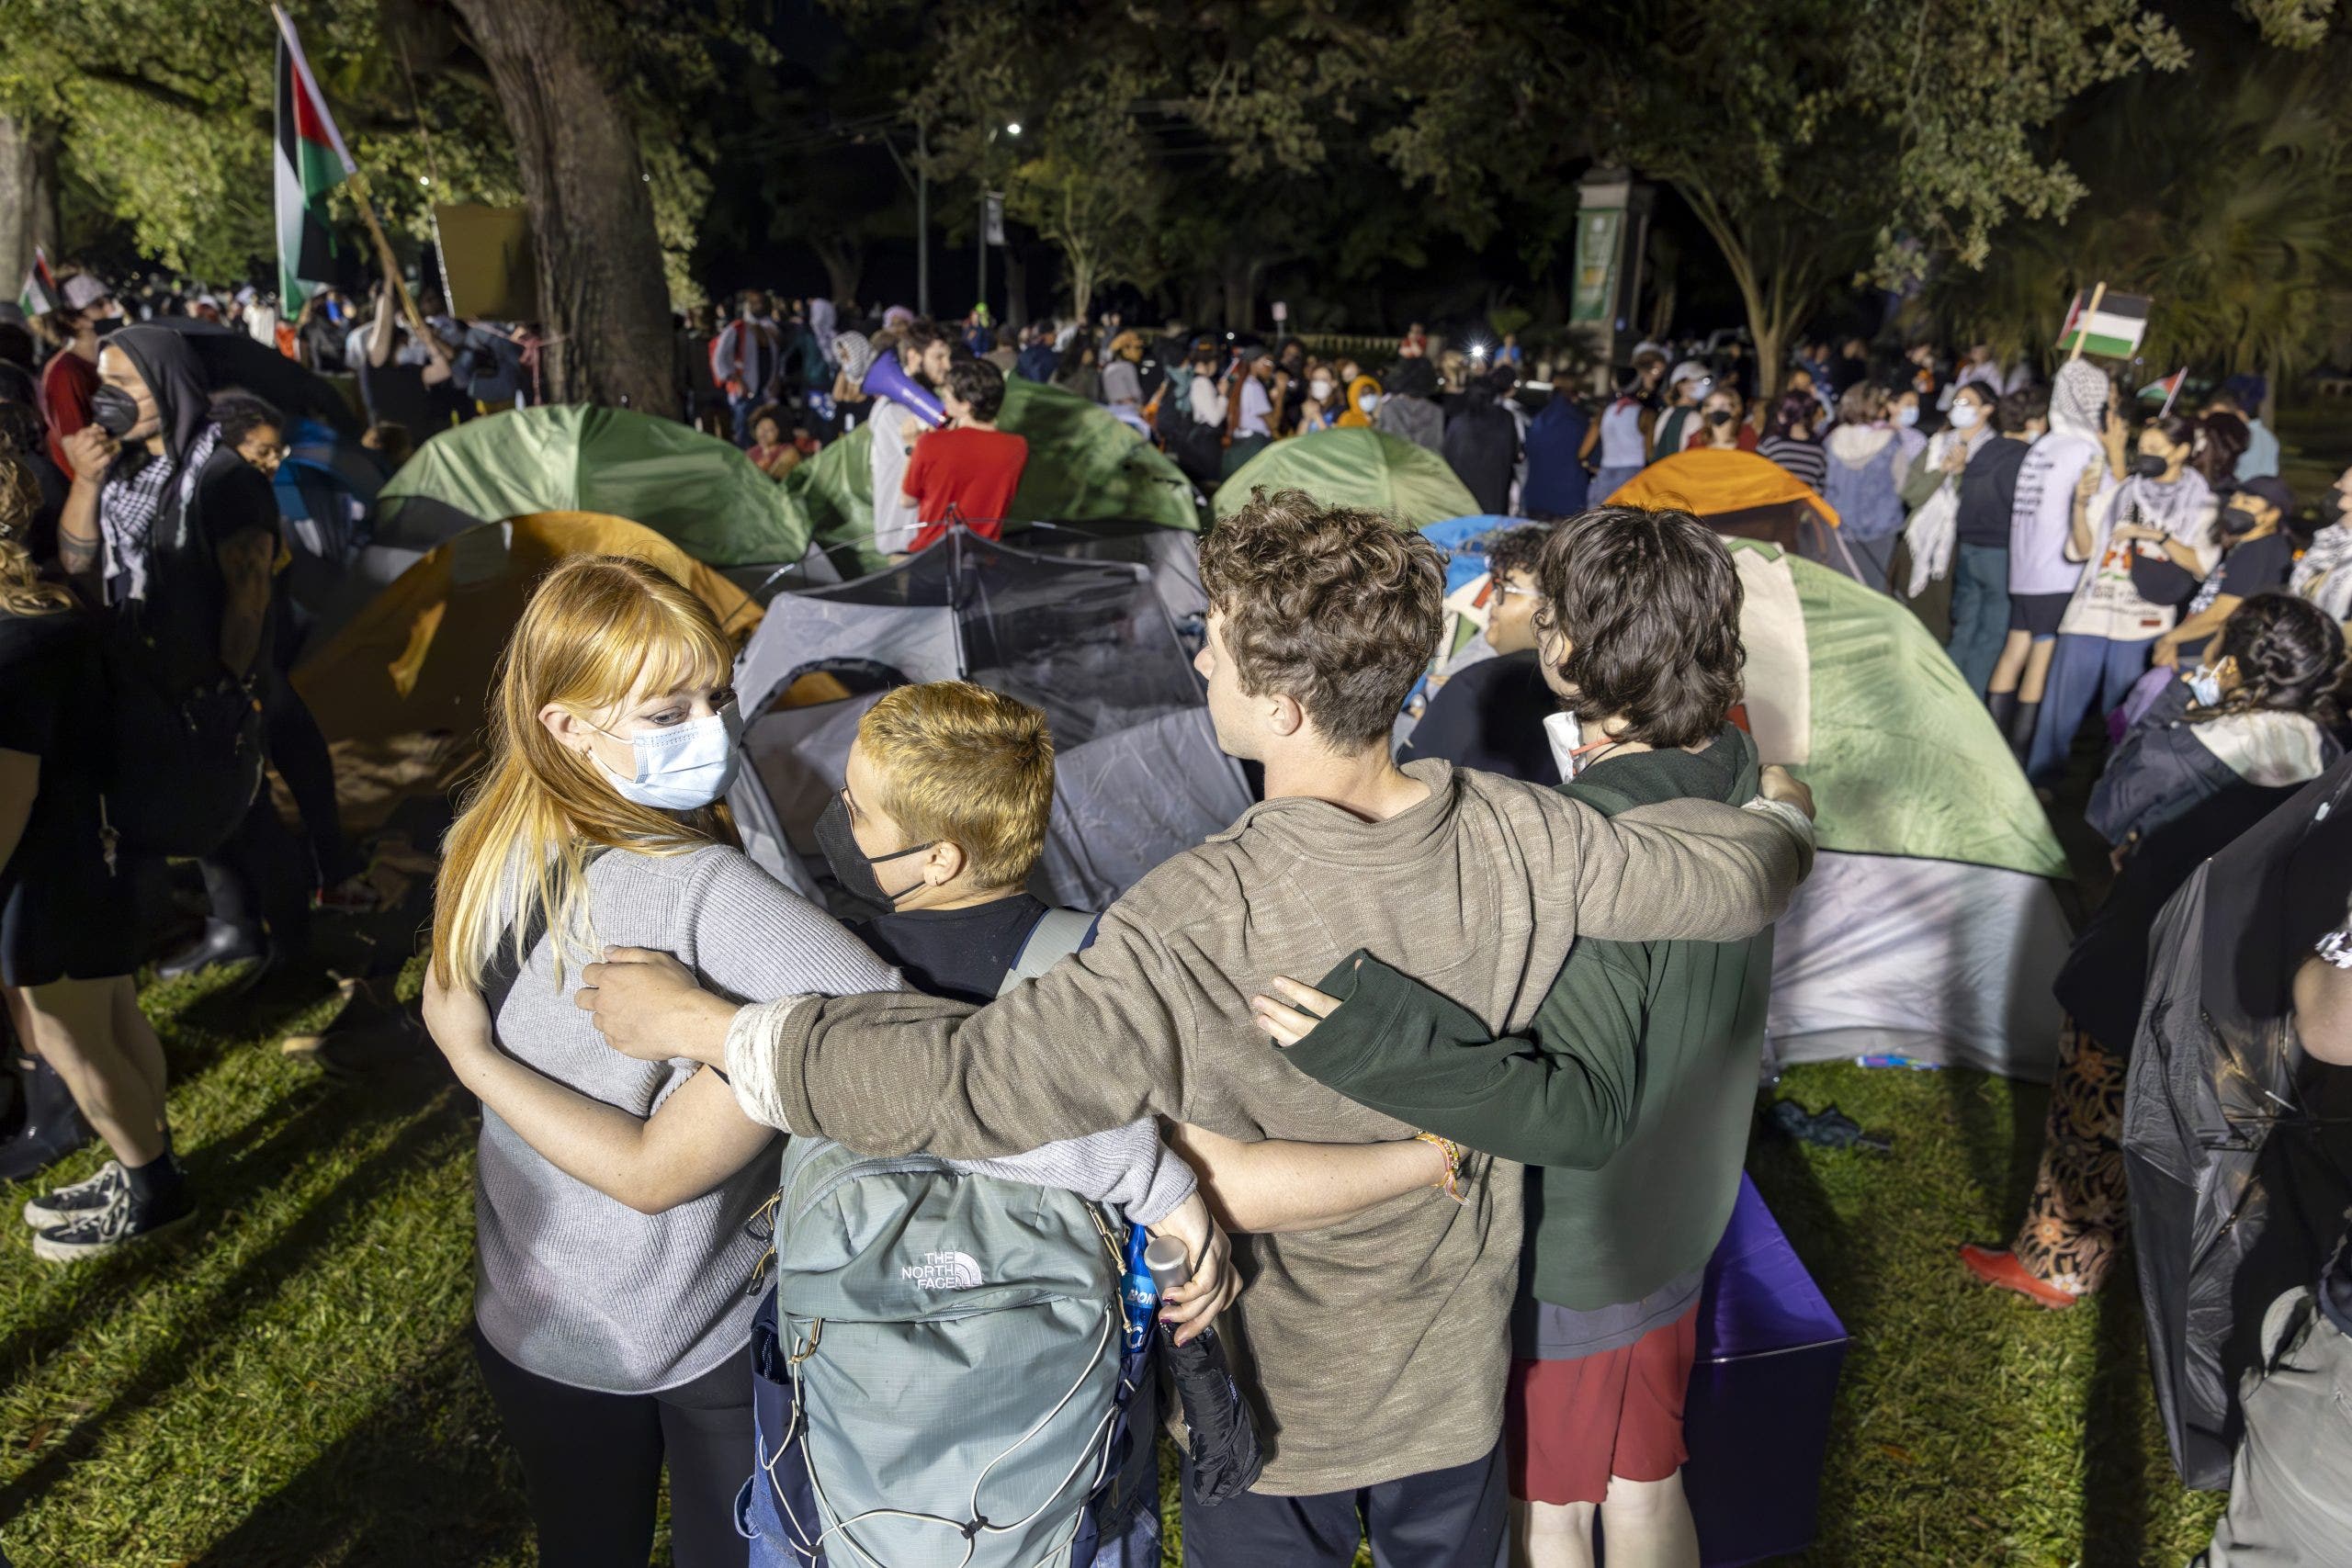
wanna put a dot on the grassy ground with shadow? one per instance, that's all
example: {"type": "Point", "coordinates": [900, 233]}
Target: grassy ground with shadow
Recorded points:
{"type": "Point", "coordinates": [291, 1384]}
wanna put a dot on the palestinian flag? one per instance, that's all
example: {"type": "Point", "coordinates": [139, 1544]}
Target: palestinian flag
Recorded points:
{"type": "Point", "coordinates": [311, 162]}
{"type": "Point", "coordinates": [41, 294]}
{"type": "Point", "coordinates": [2114, 328]}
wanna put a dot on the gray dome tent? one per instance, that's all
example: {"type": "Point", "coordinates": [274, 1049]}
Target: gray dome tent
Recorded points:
{"type": "Point", "coordinates": [1138, 776]}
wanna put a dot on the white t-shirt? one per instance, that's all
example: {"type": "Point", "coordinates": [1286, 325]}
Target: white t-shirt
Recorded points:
{"type": "Point", "coordinates": [1257, 408]}
{"type": "Point", "coordinates": [2043, 514]}
{"type": "Point", "coordinates": [1621, 436]}
{"type": "Point", "coordinates": [897, 516]}
{"type": "Point", "coordinates": [2106, 604]}
{"type": "Point", "coordinates": [1208, 401]}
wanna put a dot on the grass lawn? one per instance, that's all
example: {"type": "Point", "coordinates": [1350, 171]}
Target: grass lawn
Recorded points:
{"type": "Point", "coordinates": [292, 1385]}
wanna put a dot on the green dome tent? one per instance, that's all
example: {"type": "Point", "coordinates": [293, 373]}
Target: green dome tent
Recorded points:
{"type": "Point", "coordinates": [1354, 468]}
{"type": "Point", "coordinates": [699, 493]}
{"type": "Point", "coordinates": [1084, 467]}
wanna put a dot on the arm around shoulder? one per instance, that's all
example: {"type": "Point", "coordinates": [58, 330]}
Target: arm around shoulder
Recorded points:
{"type": "Point", "coordinates": [1679, 870]}
{"type": "Point", "coordinates": [1093, 1044]}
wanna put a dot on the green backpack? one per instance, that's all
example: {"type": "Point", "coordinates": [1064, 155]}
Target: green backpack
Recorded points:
{"type": "Point", "coordinates": [953, 1342]}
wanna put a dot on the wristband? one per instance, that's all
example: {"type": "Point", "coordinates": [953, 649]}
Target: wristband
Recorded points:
{"type": "Point", "coordinates": [1451, 1185]}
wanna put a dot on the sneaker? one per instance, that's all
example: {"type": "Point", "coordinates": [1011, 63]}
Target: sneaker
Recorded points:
{"type": "Point", "coordinates": [100, 1231]}
{"type": "Point", "coordinates": [72, 1202]}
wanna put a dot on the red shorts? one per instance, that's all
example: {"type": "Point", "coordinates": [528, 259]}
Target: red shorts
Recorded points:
{"type": "Point", "coordinates": [1572, 1425]}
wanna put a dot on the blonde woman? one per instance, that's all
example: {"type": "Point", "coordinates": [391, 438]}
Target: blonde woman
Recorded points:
{"type": "Point", "coordinates": [70, 926]}
{"type": "Point", "coordinates": [612, 1196]}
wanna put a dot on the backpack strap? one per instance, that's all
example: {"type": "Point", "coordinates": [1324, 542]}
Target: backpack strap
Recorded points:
{"type": "Point", "coordinates": [1056, 935]}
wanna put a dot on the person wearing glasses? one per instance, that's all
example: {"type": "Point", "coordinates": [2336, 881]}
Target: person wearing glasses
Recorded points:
{"type": "Point", "coordinates": [1490, 715]}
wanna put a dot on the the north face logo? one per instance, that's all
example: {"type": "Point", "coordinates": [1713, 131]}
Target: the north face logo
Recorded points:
{"type": "Point", "coordinates": [945, 1271]}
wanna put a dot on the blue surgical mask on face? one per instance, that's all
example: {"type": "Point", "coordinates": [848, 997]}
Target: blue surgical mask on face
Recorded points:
{"type": "Point", "coordinates": [681, 768]}
{"type": "Point", "coordinates": [2205, 687]}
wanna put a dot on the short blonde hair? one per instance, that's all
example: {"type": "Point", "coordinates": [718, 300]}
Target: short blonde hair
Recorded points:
{"type": "Point", "coordinates": [972, 767]}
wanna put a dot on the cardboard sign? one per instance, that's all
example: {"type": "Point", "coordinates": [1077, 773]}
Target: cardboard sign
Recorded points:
{"type": "Point", "coordinates": [487, 257]}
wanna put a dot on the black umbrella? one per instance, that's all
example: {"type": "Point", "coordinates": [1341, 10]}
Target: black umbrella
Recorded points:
{"type": "Point", "coordinates": [1224, 1456]}
{"type": "Point", "coordinates": [233, 359]}
{"type": "Point", "coordinates": [2237, 1149]}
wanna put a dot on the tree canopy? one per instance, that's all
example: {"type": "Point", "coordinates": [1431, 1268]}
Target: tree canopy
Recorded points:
{"type": "Point", "coordinates": [1975, 158]}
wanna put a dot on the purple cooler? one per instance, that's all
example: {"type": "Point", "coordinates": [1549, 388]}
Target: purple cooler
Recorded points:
{"type": "Point", "coordinates": [1757, 1420]}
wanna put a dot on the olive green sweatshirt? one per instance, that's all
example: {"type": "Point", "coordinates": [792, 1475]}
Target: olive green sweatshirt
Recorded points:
{"type": "Point", "coordinates": [1376, 1347]}
{"type": "Point", "coordinates": [1632, 1090]}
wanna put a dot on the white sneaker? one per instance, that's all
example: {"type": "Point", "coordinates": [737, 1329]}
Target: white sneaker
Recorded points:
{"type": "Point", "coordinates": [69, 1203]}
{"type": "Point", "coordinates": [102, 1230]}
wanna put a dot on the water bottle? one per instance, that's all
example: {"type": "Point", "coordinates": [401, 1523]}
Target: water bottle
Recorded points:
{"type": "Point", "coordinates": [1138, 1292]}
{"type": "Point", "coordinates": [1169, 1265]}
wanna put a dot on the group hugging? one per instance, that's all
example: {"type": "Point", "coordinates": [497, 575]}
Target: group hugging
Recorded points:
{"type": "Point", "coordinates": [1441, 1081]}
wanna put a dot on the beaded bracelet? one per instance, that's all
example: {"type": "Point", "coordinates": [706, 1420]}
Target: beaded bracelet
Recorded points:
{"type": "Point", "coordinates": [1453, 1152]}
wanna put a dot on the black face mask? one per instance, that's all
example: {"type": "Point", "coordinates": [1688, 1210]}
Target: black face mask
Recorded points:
{"type": "Point", "coordinates": [2148, 466]}
{"type": "Point", "coordinates": [109, 326]}
{"type": "Point", "coordinates": [2331, 507]}
{"type": "Point", "coordinates": [852, 867]}
{"type": "Point", "coordinates": [2236, 521]}
{"type": "Point", "coordinates": [1720, 417]}
{"type": "Point", "coordinates": [113, 411]}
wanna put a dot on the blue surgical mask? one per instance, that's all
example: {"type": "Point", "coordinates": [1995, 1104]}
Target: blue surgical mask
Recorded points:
{"type": "Point", "coordinates": [683, 768]}
{"type": "Point", "coordinates": [2205, 687]}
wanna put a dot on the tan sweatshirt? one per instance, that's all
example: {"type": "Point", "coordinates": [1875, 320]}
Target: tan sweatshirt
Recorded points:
{"type": "Point", "coordinates": [1376, 1347]}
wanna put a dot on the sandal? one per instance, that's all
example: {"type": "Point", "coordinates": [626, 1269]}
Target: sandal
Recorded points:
{"type": "Point", "coordinates": [1998, 1265]}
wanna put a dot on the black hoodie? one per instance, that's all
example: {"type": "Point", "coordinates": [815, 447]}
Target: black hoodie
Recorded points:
{"type": "Point", "coordinates": [188, 594]}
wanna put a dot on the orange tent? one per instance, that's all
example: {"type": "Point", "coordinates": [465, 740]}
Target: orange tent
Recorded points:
{"type": "Point", "coordinates": [418, 659]}
{"type": "Point", "coordinates": [1738, 492]}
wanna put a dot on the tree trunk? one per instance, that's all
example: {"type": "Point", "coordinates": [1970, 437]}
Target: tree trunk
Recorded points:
{"type": "Point", "coordinates": [1017, 283]}
{"type": "Point", "coordinates": [1237, 280]}
{"type": "Point", "coordinates": [845, 262]}
{"type": "Point", "coordinates": [602, 294]}
{"type": "Point", "coordinates": [1081, 284]}
{"type": "Point", "coordinates": [28, 195]}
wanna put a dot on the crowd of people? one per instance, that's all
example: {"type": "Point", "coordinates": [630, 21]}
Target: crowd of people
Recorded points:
{"type": "Point", "coordinates": [1437, 1069]}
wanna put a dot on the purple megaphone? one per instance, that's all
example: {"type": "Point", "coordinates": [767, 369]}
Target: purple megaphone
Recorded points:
{"type": "Point", "coordinates": [883, 379]}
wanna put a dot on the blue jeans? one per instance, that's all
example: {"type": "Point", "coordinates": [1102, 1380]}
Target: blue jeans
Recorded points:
{"type": "Point", "coordinates": [1980, 612]}
{"type": "Point", "coordinates": [2087, 674]}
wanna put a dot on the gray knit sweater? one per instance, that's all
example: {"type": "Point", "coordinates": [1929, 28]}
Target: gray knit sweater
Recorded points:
{"type": "Point", "coordinates": [579, 1287]}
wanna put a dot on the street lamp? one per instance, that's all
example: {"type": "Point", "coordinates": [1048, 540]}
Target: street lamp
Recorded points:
{"type": "Point", "coordinates": [1011, 129]}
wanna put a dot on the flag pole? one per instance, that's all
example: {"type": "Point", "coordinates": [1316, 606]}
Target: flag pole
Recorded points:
{"type": "Point", "coordinates": [384, 253]}
{"type": "Point", "coordinates": [2082, 334]}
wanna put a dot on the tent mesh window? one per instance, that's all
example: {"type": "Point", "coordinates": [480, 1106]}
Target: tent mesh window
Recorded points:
{"type": "Point", "coordinates": [1086, 641]}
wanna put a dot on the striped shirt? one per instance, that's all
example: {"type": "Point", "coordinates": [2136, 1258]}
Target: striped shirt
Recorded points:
{"type": "Point", "coordinates": [1805, 459]}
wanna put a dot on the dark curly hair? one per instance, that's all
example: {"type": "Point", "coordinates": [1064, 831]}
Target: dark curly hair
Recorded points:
{"type": "Point", "coordinates": [1335, 606]}
{"type": "Point", "coordinates": [980, 384]}
{"type": "Point", "coordinates": [1648, 602]}
{"type": "Point", "coordinates": [2289, 654]}
{"type": "Point", "coordinates": [1517, 549]}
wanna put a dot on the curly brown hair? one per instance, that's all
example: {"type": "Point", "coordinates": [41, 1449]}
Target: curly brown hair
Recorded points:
{"type": "Point", "coordinates": [1649, 604]}
{"type": "Point", "coordinates": [1335, 606]}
